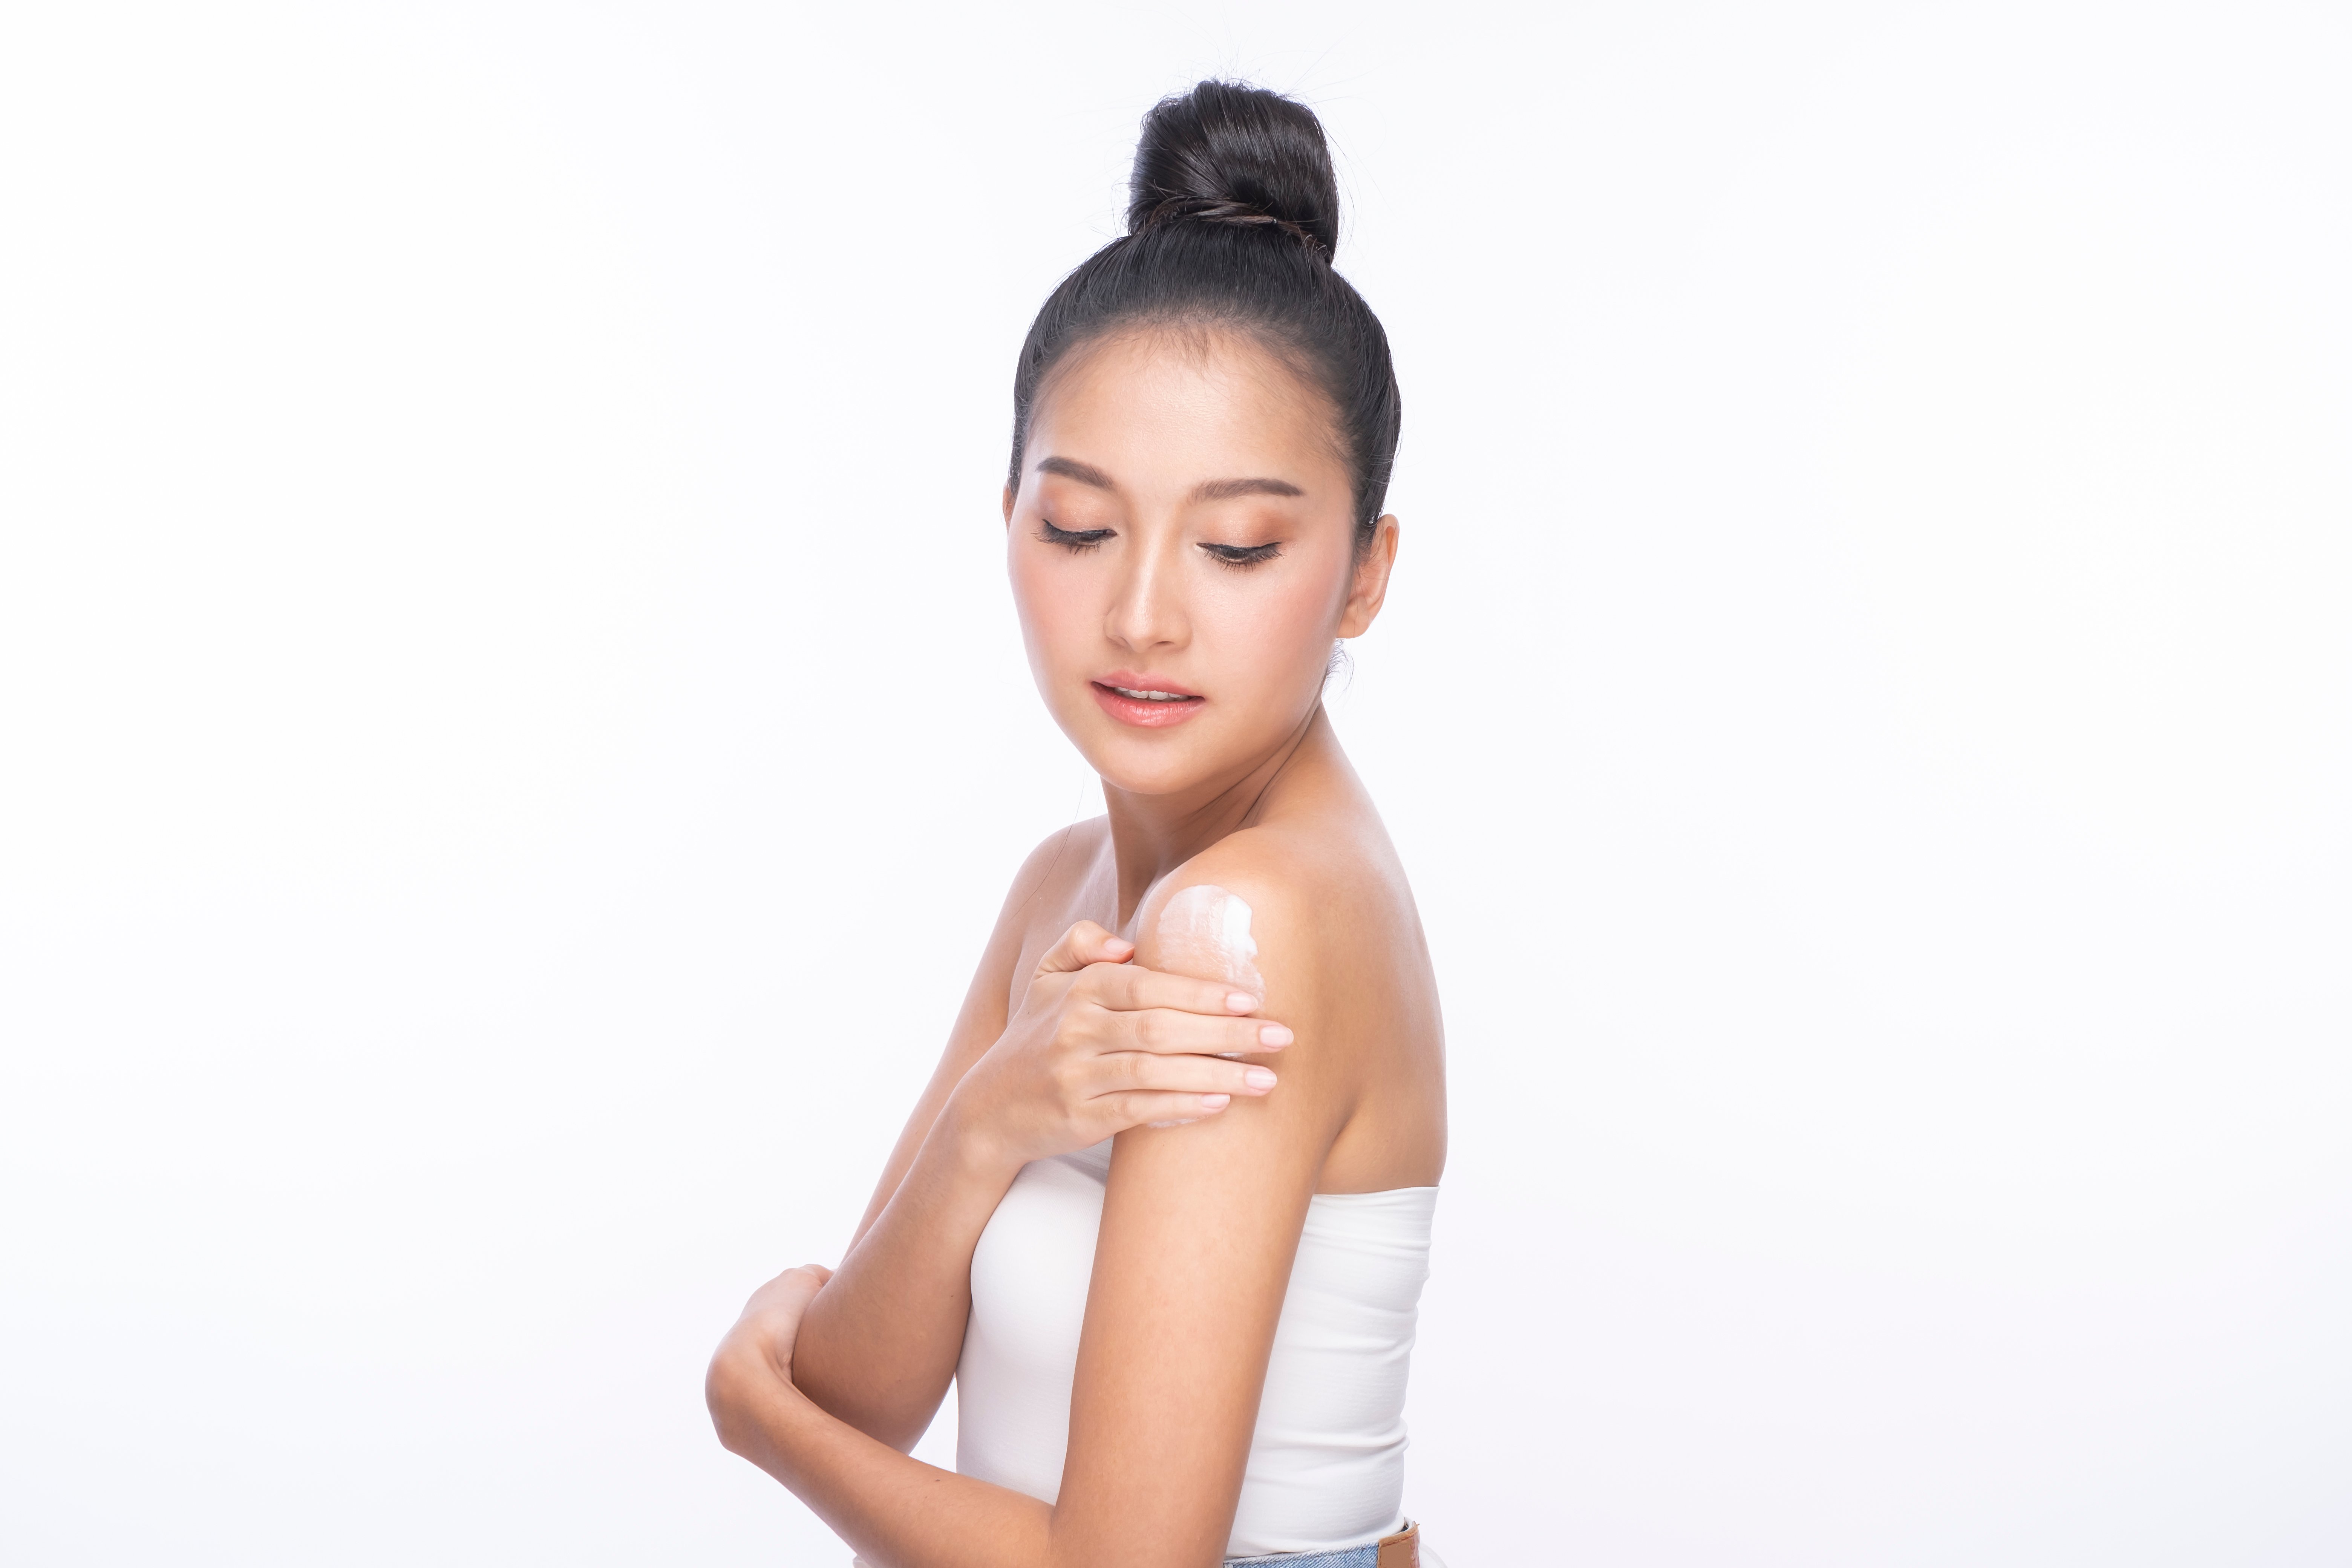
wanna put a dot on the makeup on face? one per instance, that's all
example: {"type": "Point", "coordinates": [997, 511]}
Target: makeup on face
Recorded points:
{"type": "Point", "coordinates": [1182, 509]}
{"type": "Point", "coordinates": [1148, 702]}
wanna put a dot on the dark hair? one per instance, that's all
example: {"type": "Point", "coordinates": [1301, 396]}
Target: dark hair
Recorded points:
{"type": "Point", "coordinates": [1232, 215]}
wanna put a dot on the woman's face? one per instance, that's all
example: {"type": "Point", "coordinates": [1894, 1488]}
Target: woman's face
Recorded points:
{"type": "Point", "coordinates": [1183, 553]}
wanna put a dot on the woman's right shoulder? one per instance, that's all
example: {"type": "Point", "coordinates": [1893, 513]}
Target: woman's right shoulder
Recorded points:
{"type": "Point", "coordinates": [1058, 868]}
{"type": "Point", "coordinates": [1050, 888]}
{"type": "Point", "coordinates": [1050, 882]}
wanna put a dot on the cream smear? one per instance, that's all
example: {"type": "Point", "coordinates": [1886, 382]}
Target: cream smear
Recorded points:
{"type": "Point", "coordinates": [1204, 931]}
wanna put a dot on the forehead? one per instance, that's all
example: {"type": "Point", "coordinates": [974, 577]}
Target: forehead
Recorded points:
{"type": "Point", "coordinates": [1184, 403]}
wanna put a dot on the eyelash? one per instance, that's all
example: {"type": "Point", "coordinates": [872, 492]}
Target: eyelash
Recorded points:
{"type": "Point", "coordinates": [1239, 556]}
{"type": "Point", "coordinates": [1074, 539]}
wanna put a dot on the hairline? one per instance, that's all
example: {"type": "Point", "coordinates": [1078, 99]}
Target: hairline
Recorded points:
{"type": "Point", "coordinates": [1203, 330]}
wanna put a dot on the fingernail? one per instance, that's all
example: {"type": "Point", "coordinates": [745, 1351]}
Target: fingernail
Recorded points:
{"type": "Point", "coordinates": [1259, 1078]}
{"type": "Point", "coordinates": [1119, 944]}
{"type": "Point", "coordinates": [1215, 1101]}
{"type": "Point", "coordinates": [1241, 1002]}
{"type": "Point", "coordinates": [1274, 1034]}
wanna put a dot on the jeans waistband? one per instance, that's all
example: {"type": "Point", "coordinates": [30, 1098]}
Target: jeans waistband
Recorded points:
{"type": "Point", "coordinates": [1401, 1549]}
{"type": "Point", "coordinates": [1368, 1555]}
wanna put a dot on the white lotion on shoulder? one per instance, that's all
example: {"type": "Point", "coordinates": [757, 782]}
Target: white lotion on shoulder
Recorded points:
{"type": "Point", "coordinates": [1204, 931]}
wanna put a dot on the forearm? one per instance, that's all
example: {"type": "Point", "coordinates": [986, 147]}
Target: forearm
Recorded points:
{"type": "Point", "coordinates": [879, 1347]}
{"type": "Point", "coordinates": [895, 1511]}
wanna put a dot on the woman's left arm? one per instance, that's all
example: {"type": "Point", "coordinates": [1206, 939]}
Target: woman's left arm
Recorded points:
{"type": "Point", "coordinates": [1200, 1226]}
{"type": "Point", "coordinates": [855, 1483]}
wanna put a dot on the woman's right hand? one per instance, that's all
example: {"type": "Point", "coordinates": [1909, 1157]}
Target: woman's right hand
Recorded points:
{"type": "Point", "coordinates": [1101, 1044]}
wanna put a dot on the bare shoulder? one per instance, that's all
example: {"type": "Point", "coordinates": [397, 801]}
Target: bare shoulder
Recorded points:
{"type": "Point", "coordinates": [1064, 853]}
{"type": "Point", "coordinates": [1055, 875]}
{"type": "Point", "coordinates": [1325, 927]}
{"type": "Point", "coordinates": [1327, 907]}
{"type": "Point", "coordinates": [1059, 883]}
{"type": "Point", "coordinates": [1041, 889]}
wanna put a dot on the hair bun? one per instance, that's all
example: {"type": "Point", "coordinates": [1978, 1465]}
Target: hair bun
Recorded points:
{"type": "Point", "coordinates": [1225, 153]}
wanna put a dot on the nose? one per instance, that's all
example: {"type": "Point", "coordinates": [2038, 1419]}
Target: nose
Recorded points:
{"type": "Point", "coordinates": [1147, 606]}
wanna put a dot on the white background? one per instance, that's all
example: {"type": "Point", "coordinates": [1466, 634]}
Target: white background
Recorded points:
{"type": "Point", "coordinates": [511, 732]}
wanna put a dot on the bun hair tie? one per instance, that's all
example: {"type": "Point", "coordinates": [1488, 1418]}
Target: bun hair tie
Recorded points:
{"type": "Point", "coordinates": [1220, 209]}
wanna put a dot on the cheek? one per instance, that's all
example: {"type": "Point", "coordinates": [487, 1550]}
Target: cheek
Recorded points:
{"type": "Point", "coordinates": [1052, 606]}
{"type": "Point", "coordinates": [1279, 634]}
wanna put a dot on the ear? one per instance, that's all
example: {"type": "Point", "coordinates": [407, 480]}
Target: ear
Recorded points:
{"type": "Point", "coordinates": [1008, 504]}
{"type": "Point", "coordinates": [1370, 589]}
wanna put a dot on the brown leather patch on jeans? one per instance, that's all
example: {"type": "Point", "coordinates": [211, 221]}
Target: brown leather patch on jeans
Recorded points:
{"type": "Point", "coordinates": [1401, 1549]}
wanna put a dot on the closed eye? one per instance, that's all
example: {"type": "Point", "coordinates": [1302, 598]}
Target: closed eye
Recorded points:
{"type": "Point", "coordinates": [1244, 555]}
{"type": "Point", "coordinates": [1072, 538]}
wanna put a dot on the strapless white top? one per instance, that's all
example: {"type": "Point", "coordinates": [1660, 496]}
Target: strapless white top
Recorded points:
{"type": "Point", "coordinates": [1327, 1461]}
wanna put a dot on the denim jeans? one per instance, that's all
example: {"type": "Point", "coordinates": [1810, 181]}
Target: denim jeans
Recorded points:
{"type": "Point", "coordinates": [1368, 1555]}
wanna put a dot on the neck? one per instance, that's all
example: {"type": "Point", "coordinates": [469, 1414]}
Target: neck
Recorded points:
{"type": "Point", "coordinates": [1151, 834]}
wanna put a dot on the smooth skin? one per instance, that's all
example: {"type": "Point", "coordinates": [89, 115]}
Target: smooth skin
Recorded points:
{"type": "Point", "coordinates": [1160, 465]}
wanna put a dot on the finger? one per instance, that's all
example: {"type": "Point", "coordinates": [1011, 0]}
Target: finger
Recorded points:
{"type": "Point", "coordinates": [788, 1292]}
{"type": "Point", "coordinates": [1084, 944]}
{"type": "Point", "coordinates": [1184, 1075]}
{"type": "Point", "coordinates": [800, 1282]}
{"type": "Point", "coordinates": [1131, 987]}
{"type": "Point", "coordinates": [1143, 1108]}
{"type": "Point", "coordinates": [1166, 1032]}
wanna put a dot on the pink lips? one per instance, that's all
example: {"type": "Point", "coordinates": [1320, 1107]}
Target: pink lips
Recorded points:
{"type": "Point", "coordinates": [1143, 712]}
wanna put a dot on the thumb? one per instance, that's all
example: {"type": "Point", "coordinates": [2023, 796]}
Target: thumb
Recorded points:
{"type": "Point", "coordinates": [1084, 943]}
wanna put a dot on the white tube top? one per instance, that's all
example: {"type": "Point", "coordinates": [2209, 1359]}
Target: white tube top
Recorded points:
{"type": "Point", "coordinates": [1327, 1462]}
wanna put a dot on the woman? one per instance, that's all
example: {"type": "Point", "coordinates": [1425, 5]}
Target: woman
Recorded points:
{"type": "Point", "coordinates": [1178, 1297]}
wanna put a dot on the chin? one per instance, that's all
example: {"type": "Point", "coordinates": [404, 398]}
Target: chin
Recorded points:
{"type": "Point", "coordinates": [1160, 759]}
{"type": "Point", "coordinates": [1145, 767]}
{"type": "Point", "coordinates": [1142, 761]}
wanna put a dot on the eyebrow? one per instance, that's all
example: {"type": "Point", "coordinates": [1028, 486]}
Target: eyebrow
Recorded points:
{"type": "Point", "coordinates": [1227, 489]}
{"type": "Point", "coordinates": [1071, 469]}
{"type": "Point", "coordinates": [1210, 489]}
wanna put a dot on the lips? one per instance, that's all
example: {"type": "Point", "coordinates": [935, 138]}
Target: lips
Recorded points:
{"type": "Point", "coordinates": [1146, 701]}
